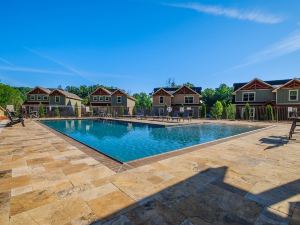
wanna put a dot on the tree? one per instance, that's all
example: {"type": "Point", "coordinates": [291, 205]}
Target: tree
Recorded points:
{"type": "Point", "coordinates": [203, 111]}
{"type": "Point", "coordinates": [217, 110]}
{"type": "Point", "coordinates": [224, 94]}
{"type": "Point", "coordinates": [76, 110]}
{"type": "Point", "coordinates": [208, 96]}
{"type": "Point", "coordinates": [142, 101]}
{"type": "Point", "coordinates": [56, 112]}
{"type": "Point", "coordinates": [230, 111]}
{"type": "Point", "coordinates": [41, 110]}
{"type": "Point", "coordinates": [269, 112]}
{"type": "Point", "coordinates": [10, 96]}
{"type": "Point", "coordinates": [188, 84]}
{"type": "Point", "coordinates": [246, 114]}
{"type": "Point", "coordinates": [171, 82]}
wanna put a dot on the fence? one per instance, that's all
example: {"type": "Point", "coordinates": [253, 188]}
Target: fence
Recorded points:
{"type": "Point", "coordinates": [73, 111]}
{"type": "Point", "coordinates": [277, 113]}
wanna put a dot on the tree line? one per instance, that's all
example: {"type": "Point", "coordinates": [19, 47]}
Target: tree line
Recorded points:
{"type": "Point", "coordinates": [216, 102]}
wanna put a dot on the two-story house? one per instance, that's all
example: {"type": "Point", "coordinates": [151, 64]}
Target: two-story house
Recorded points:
{"type": "Point", "coordinates": [178, 100]}
{"type": "Point", "coordinates": [50, 99]}
{"type": "Point", "coordinates": [115, 101]}
{"type": "Point", "coordinates": [282, 95]}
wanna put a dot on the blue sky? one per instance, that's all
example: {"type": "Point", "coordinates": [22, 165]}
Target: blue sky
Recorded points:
{"type": "Point", "coordinates": [138, 45]}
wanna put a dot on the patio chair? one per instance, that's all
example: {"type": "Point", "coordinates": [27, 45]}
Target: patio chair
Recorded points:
{"type": "Point", "coordinates": [186, 115]}
{"type": "Point", "coordinates": [176, 116]}
{"type": "Point", "coordinates": [14, 119]}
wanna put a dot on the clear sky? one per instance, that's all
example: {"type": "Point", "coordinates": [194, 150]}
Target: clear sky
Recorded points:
{"type": "Point", "coordinates": [137, 45]}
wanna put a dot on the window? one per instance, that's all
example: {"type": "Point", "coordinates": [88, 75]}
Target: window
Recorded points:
{"type": "Point", "coordinates": [101, 98]}
{"type": "Point", "coordinates": [57, 99]}
{"type": "Point", "coordinates": [106, 98]}
{"type": "Point", "coordinates": [293, 95]}
{"type": "Point", "coordinates": [188, 99]}
{"type": "Point", "coordinates": [119, 99]}
{"type": "Point", "coordinates": [248, 96]}
{"type": "Point", "coordinates": [45, 97]}
{"type": "Point", "coordinates": [39, 97]}
{"type": "Point", "coordinates": [95, 98]}
{"type": "Point", "coordinates": [161, 99]}
{"type": "Point", "coordinates": [32, 97]}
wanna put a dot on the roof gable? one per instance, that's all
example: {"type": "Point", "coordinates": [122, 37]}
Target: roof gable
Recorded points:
{"type": "Point", "coordinates": [65, 93]}
{"type": "Point", "coordinates": [40, 90]}
{"type": "Point", "coordinates": [185, 90]}
{"type": "Point", "coordinates": [292, 84]}
{"type": "Point", "coordinates": [162, 92]}
{"type": "Point", "coordinates": [253, 85]}
{"type": "Point", "coordinates": [119, 92]}
{"type": "Point", "coordinates": [101, 91]}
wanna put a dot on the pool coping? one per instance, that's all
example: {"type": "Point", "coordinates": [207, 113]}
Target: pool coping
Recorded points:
{"type": "Point", "coordinates": [119, 166]}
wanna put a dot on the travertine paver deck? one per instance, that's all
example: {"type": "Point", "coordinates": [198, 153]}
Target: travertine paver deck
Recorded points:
{"type": "Point", "coordinates": [254, 179]}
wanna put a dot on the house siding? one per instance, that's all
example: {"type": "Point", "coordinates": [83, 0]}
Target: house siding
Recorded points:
{"type": "Point", "coordinates": [167, 100]}
{"type": "Point", "coordinates": [178, 99]}
{"type": "Point", "coordinates": [283, 97]}
{"type": "Point", "coordinates": [260, 96]}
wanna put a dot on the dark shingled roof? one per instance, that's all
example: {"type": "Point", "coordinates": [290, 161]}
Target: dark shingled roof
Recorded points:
{"type": "Point", "coordinates": [172, 90]}
{"type": "Point", "coordinates": [271, 82]}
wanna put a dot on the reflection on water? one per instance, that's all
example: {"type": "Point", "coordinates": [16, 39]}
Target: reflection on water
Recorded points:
{"type": "Point", "coordinates": [129, 141]}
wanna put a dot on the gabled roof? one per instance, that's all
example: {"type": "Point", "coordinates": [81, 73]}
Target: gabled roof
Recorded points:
{"type": "Point", "coordinates": [273, 83]}
{"type": "Point", "coordinates": [184, 86]}
{"type": "Point", "coordinates": [46, 90]}
{"type": "Point", "coordinates": [123, 92]}
{"type": "Point", "coordinates": [295, 80]}
{"type": "Point", "coordinates": [109, 92]}
{"type": "Point", "coordinates": [172, 90]}
{"type": "Point", "coordinates": [163, 89]}
{"type": "Point", "coordinates": [67, 94]}
{"type": "Point", "coordinates": [246, 84]}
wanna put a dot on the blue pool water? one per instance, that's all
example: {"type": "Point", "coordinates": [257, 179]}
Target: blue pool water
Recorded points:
{"type": "Point", "coordinates": [129, 141]}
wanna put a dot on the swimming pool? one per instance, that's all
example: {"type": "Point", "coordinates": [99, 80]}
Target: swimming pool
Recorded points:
{"type": "Point", "coordinates": [125, 141]}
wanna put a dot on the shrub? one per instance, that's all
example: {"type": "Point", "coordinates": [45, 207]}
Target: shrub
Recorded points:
{"type": "Point", "coordinates": [57, 112]}
{"type": "Point", "coordinates": [230, 112]}
{"type": "Point", "coordinates": [41, 110]}
{"type": "Point", "coordinates": [203, 111]}
{"type": "Point", "coordinates": [246, 114]}
{"type": "Point", "coordinates": [269, 112]}
{"type": "Point", "coordinates": [217, 110]}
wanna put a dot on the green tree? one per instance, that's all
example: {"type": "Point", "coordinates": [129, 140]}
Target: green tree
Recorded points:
{"type": "Point", "coordinates": [57, 112]}
{"type": "Point", "coordinates": [142, 101]}
{"type": "Point", "coordinates": [10, 96]}
{"type": "Point", "coordinates": [203, 111]}
{"type": "Point", "coordinates": [223, 94]}
{"type": "Point", "coordinates": [208, 96]}
{"type": "Point", "coordinates": [41, 110]}
{"type": "Point", "coordinates": [230, 111]}
{"type": "Point", "coordinates": [269, 112]}
{"type": "Point", "coordinates": [217, 110]}
{"type": "Point", "coordinates": [246, 114]}
{"type": "Point", "coordinates": [76, 109]}
{"type": "Point", "coordinates": [188, 84]}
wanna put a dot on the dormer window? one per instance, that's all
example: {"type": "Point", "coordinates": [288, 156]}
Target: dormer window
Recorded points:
{"type": "Point", "coordinates": [161, 99]}
{"type": "Point", "coordinates": [248, 96]}
{"type": "Point", "coordinates": [293, 95]}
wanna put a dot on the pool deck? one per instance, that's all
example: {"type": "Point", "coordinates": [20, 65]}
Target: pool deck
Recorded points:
{"type": "Point", "coordinates": [253, 179]}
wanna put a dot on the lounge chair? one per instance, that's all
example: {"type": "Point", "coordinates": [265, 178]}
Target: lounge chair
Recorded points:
{"type": "Point", "coordinates": [176, 117]}
{"type": "Point", "coordinates": [14, 119]}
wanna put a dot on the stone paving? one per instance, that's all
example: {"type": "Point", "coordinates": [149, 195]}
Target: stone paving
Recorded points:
{"type": "Point", "coordinates": [253, 179]}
